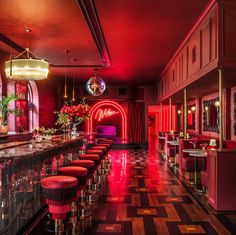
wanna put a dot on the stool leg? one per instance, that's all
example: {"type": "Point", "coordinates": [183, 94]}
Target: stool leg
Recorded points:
{"type": "Point", "coordinates": [59, 226]}
{"type": "Point", "coordinates": [74, 218]}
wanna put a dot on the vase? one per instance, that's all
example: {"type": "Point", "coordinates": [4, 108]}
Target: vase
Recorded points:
{"type": "Point", "coordinates": [74, 130]}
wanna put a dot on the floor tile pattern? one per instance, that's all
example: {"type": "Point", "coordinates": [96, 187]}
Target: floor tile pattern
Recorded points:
{"type": "Point", "coordinates": [144, 197]}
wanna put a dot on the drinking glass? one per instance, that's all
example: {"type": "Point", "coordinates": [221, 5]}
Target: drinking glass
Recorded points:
{"type": "Point", "coordinates": [194, 143]}
{"type": "Point", "coordinates": [203, 146]}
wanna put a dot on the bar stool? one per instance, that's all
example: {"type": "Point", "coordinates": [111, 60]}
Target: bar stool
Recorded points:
{"type": "Point", "coordinates": [103, 148]}
{"type": "Point", "coordinates": [106, 162]}
{"type": "Point", "coordinates": [95, 151]}
{"type": "Point", "coordinates": [93, 157]}
{"type": "Point", "coordinates": [100, 173]}
{"type": "Point", "coordinates": [104, 144]}
{"type": "Point", "coordinates": [79, 211]}
{"type": "Point", "coordinates": [59, 192]}
{"type": "Point", "coordinates": [89, 164]}
{"type": "Point", "coordinates": [92, 181]}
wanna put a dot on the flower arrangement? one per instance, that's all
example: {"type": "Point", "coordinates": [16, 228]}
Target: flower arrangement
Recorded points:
{"type": "Point", "coordinates": [72, 114]}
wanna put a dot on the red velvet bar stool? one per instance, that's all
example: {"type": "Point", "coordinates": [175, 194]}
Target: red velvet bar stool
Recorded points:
{"type": "Point", "coordinates": [95, 151]}
{"type": "Point", "coordinates": [102, 168]}
{"type": "Point", "coordinates": [79, 211]}
{"type": "Point", "coordinates": [59, 192]}
{"type": "Point", "coordinates": [106, 162]}
{"type": "Point", "coordinates": [92, 157]}
{"type": "Point", "coordinates": [100, 174]}
{"type": "Point", "coordinates": [103, 148]}
{"type": "Point", "coordinates": [92, 182]}
{"type": "Point", "coordinates": [92, 173]}
{"type": "Point", "coordinates": [104, 144]}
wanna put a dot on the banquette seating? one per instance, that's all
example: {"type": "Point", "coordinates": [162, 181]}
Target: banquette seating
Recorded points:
{"type": "Point", "coordinates": [169, 149]}
{"type": "Point", "coordinates": [106, 132]}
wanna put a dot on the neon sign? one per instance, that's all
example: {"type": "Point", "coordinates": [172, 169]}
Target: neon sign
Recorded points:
{"type": "Point", "coordinates": [103, 113]}
{"type": "Point", "coordinates": [102, 104]}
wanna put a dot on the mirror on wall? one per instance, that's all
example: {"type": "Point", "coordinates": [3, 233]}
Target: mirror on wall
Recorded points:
{"type": "Point", "coordinates": [211, 115]}
{"type": "Point", "coordinates": [191, 116]}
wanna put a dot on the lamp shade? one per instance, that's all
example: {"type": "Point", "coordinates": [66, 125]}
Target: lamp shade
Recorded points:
{"type": "Point", "coordinates": [26, 69]}
{"type": "Point", "coordinates": [212, 143]}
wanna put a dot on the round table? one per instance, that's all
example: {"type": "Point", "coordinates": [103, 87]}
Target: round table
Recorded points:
{"type": "Point", "coordinates": [196, 155]}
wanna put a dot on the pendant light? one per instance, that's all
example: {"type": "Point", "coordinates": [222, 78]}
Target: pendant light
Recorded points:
{"type": "Point", "coordinates": [73, 85]}
{"type": "Point", "coordinates": [26, 66]}
{"type": "Point", "coordinates": [65, 85]}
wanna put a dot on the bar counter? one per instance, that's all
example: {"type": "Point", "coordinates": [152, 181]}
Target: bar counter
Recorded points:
{"type": "Point", "coordinates": [22, 166]}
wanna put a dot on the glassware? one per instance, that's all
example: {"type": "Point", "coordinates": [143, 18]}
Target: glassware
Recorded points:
{"type": "Point", "coordinates": [203, 146]}
{"type": "Point", "coordinates": [194, 143]}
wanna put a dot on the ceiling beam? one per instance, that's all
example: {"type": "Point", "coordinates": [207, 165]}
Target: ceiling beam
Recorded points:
{"type": "Point", "coordinates": [90, 14]}
{"type": "Point", "coordinates": [11, 43]}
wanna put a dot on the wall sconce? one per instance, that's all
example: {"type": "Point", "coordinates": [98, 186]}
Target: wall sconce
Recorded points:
{"type": "Point", "coordinates": [189, 111]}
{"type": "Point", "coordinates": [217, 103]}
{"type": "Point", "coordinates": [179, 112]}
{"type": "Point", "coordinates": [193, 108]}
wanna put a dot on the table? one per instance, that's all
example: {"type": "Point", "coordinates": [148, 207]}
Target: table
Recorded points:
{"type": "Point", "coordinates": [196, 155]}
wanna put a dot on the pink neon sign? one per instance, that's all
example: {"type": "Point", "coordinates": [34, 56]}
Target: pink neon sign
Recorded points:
{"type": "Point", "coordinates": [109, 103]}
{"type": "Point", "coordinates": [103, 113]}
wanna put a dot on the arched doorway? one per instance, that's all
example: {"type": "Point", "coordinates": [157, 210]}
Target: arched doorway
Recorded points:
{"type": "Point", "coordinates": [108, 113]}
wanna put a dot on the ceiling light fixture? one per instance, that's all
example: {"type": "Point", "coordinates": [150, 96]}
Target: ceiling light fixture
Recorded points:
{"type": "Point", "coordinates": [26, 66]}
{"type": "Point", "coordinates": [65, 87]}
{"type": "Point", "coordinates": [73, 88]}
{"type": "Point", "coordinates": [95, 85]}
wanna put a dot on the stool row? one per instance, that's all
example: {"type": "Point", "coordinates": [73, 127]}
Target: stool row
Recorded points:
{"type": "Point", "coordinates": [73, 193]}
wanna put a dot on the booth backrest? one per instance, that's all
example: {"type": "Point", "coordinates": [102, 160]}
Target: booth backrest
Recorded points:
{"type": "Point", "coordinates": [106, 131]}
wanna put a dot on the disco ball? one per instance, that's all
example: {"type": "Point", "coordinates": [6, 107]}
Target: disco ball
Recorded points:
{"type": "Point", "coordinates": [95, 86]}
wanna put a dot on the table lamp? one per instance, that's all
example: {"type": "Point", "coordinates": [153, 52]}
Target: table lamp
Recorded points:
{"type": "Point", "coordinates": [212, 144]}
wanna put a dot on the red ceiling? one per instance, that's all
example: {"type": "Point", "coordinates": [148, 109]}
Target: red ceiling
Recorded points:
{"type": "Point", "coordinates": [141, 36]}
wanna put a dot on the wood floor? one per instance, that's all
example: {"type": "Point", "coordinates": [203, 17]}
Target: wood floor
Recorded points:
{"type": "Point", "coordinates": [144, 197]}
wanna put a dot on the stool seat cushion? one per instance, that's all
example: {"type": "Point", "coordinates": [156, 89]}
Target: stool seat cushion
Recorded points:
{"type": "Point", "coordinates": [95, 151]}
{"type": "Point", "coordinates": [104, 145]}
{"type": "Point", "coordinates": [99, 147]}
{"type": "Point", "coordinates": [83, 163]}
{"type": "Point", "coordinates": [73, 171]}
{"type": "Point", "coordinates": [59, 182]}
{"type": "Point", "coordinates": [89, 156]}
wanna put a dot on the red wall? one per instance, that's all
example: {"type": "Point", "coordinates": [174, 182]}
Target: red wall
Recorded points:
{"type": "Point", "coordinates": [48, 99]}
{"type": "Point", "coordinates": [163, 125]}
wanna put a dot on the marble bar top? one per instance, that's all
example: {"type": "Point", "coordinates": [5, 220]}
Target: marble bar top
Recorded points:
{"type": "Point", "coordinates": [29, 148]}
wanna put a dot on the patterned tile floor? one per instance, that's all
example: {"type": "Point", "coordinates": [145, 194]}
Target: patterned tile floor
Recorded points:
{"type": "Point", "coordinates": [144, 197]}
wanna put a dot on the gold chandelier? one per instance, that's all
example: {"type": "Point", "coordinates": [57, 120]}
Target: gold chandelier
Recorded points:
{"type": "Point", "coordinates": [26, 66]}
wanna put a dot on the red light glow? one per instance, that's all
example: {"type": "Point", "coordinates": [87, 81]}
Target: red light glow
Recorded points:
{"type": "Point", "coordinates": [96, 109]}
{"type": "Point", "coordinates": [103, 113]}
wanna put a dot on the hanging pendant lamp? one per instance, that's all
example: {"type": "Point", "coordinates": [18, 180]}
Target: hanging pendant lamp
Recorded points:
{"type": "Point", "coordinates": [26, 66]}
